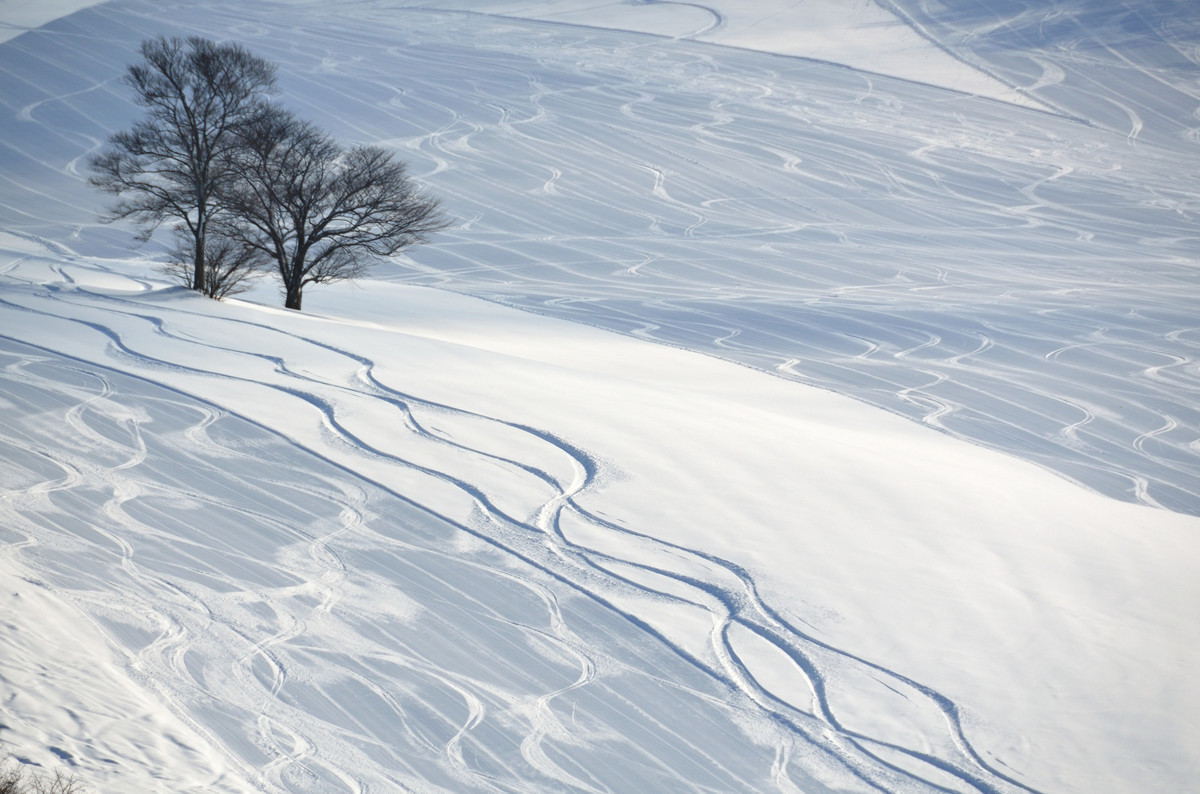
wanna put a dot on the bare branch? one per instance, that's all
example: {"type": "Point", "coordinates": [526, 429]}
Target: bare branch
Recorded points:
{"type": "Point", "coordinates": [320, 211]}
{"type": "Point", "coordinates": [230, 266]}
{"type": "Point", "coordinates": [197, 95]}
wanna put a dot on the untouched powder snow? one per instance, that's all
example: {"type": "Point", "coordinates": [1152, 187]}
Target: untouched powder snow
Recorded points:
{"type": "Point", "coordinates": [418, 540]}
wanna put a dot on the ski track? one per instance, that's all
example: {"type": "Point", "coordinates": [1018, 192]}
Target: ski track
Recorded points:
{"type": "Point", "coordinates": [1076, 380]}
{"type": "Point", "coordinates": [729, 593]}
{"type": "Point", "coordinates": [1043, 211]}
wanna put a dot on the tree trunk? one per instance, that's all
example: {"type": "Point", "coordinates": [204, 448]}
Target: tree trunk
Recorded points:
{"type": "Point", "coordinates": [293, 296]}
{"type": "Point", "coordinates": [198, 280]}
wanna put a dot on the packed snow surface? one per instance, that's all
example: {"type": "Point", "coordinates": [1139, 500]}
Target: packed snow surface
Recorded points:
{"type": "Point", "coordinates": [805, 399]}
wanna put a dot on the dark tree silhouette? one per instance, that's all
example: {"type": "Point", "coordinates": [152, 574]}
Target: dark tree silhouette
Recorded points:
{"type": "Point", "coordinates": [198, 95]}
{"type": "Point", "coordinates": [15, 781]}
{"type": "Point", "coordinates": [320, 211]}
{"type": "Point", "coordinates": [229, 266]}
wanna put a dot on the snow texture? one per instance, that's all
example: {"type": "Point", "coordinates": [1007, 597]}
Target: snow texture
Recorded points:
{"type": "Point", "coordinates": [783, 412]}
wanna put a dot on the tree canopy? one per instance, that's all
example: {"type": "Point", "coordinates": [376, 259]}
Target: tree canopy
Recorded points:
{"type": "Point", "coordinates": [320, 211]}
{"type": "Point", "coordinates": [250, 186]}
{"type": "Point", "coordinates": [199, 97]}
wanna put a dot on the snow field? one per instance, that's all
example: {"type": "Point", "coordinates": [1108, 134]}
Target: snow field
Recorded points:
{"type": "Point", "coordinates": [419, 540]}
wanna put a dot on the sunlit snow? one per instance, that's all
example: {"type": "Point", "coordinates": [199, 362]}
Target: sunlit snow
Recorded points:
{"type": "Point", "coordinates": [805, 398]}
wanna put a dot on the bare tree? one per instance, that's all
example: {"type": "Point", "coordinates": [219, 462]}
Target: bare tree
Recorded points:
{"type": "Point", "coordinates": [198, 95]}
{"type": "Point", "coordinates": [14, 781]}
{"type": "Point", "coordinates": [229, 266]}
{"type": "Point", "coordinates": [319, 211]}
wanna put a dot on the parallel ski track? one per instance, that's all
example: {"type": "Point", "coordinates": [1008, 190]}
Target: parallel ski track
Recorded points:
{"type": "Point", "coordinates": [798, 212]}
{"type": "Point", "coordinates": [1095, 384]}
{"type": "Point", "coordinates": [731, 595]}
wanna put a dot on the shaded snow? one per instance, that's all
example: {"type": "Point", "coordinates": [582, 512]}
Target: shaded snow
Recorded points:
{"type": "Point", "coordinates": [20, 16]}
{"type": "Point", "coordinates": [416, 540]}
{"type": "Point", "coordinates": [861, 34]}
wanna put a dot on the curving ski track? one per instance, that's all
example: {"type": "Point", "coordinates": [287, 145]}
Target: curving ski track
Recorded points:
{"type": "Point", "coordinates": [921, 250]}
{"type": "Point", "coordinates": [232, 623]}
{"type": "Point", "coordinates": [769, 210]}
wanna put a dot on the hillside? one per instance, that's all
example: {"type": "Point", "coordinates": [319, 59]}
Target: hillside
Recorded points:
{"type": "Point", "coordinates": [774, 417]}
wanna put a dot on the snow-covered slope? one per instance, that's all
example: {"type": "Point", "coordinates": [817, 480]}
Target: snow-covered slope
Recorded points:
{"type": "Point", "coordinates": [1128, 66]}
{"type": "Point", "coordinates": [472, 548]}
{"type": "Point", "coordinates": [416, 540]}
{"type": "Point", "coordinates": [19, 16]}
{"type": "Point", "coordinates": [861, 34]}
{"type": "Point", "coordinates": [1018, 279]}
